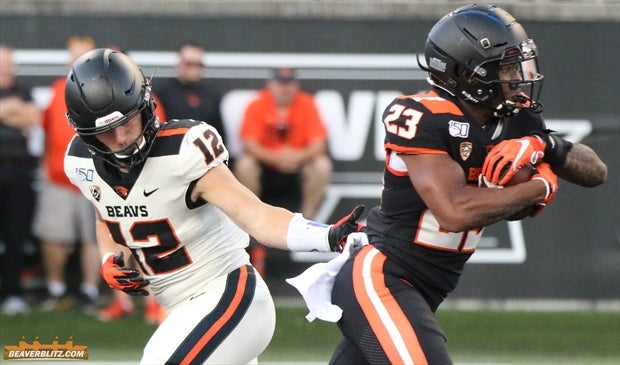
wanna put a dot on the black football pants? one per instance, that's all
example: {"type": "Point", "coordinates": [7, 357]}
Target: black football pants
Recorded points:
{"type": "Point", "coordinates": [385, 319]}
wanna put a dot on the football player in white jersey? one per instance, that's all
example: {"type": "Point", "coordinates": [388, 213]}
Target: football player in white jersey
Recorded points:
{"type": "Point", "coordinates": [165, 192]}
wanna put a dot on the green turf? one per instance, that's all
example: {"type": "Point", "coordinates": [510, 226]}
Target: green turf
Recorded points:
{"type": "Point", "coordinates": [533, 337]}
{"type": "Point", "coordinates": [473, 336]}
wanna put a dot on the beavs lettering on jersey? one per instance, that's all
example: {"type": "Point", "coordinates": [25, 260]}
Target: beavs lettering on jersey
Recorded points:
{"type": "Point", "coordinates": [129, 211]}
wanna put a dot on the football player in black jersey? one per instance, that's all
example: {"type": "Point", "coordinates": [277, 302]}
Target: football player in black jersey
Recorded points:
{"type": "Point", "coordinates": [165, 192]}
{"type": "Point", "coordinates": [485, 92]}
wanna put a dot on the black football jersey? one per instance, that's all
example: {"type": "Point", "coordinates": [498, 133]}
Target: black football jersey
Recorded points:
{"type": "Point", "coordinates": [402, 227]}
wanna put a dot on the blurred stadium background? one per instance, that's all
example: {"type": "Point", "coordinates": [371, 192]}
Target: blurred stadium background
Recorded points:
{"type": "Point", "coordinates": [358, 53]}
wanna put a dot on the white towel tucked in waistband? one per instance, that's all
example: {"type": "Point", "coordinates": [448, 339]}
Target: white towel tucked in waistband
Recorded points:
{"type": "Point", "coordinates": [316, 282]}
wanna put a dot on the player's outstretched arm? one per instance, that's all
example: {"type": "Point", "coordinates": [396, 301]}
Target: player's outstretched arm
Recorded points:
{"type": "Point", "coordinates": [271, 226]}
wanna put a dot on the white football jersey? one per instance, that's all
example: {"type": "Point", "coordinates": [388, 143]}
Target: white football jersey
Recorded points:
{"type": "Point", "coordinates": [179, 245]}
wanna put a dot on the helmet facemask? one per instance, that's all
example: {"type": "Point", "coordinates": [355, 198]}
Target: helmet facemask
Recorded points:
{"type": "Point", "coordinates": [516, 69]}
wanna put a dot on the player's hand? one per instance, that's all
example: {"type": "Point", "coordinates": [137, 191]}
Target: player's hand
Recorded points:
{"type": "Point", "coordinates": [123, 278]}
{"type": "Point", "coordinates": [547, 176]}
{"type": "Point", "coordinates": [338, 233]}
{"type": "Point", "coordinates": [510, 155]}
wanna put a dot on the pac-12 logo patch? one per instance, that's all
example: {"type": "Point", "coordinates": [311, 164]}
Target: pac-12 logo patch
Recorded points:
{"type": "Point", "coordinates": [458, 129]}
{"type": "Point", "coordinates": [95, 191]}
{"type": "Point", "coordinates": [465, 149]}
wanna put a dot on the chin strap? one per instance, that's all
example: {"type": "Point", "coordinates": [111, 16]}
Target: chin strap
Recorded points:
{"type": "Point", "coordinates": [506, 109]}
{"type": "Point", "coordinates": [511, 107]}
{"type": "Point", "coordinates": [132, 150]}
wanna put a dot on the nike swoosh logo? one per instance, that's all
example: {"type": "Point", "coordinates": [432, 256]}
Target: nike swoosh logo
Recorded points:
{"type": "Point", "coordinates": [524, 146]}
{"type": "Point", "coordinates": [147, 193]}
{"type": "Point", "coordinates": [196, 296]}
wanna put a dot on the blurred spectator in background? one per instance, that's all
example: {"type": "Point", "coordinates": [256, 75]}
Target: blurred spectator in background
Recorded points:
{"type": "Point", "coordinates": [63, 216]}
{"type": "Point", "coordinates": [284, 159]}
{"type": "Point", "coordinates": [17, 171]}
{"type": "Point", "coordinates": [188, 96]}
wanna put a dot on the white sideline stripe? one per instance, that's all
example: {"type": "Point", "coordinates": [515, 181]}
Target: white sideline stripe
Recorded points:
{"type": "Point", "coordinates": [74, 362]}
{"type": "Point", "coordinates": [246, 65]}
{"type": "Point", "coordinates": [407, 61]}
{"type": "Point", "coordinates": [542, 305]}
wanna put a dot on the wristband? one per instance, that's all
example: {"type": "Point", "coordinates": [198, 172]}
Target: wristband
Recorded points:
{"type": "Point", "coordinates": [305, 235]}
{"type": "Point", "coordinates": [547, 186]}
{"type": "Point", "coordinates": [556, 148]}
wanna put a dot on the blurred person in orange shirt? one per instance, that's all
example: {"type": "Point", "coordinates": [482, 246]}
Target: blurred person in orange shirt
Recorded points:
{"type": "Point", "coordinates": [63, 217]}
{"type": "Point", "coordinates": [284, 149]}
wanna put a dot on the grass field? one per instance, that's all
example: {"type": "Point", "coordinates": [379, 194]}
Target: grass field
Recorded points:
{"type": "Point", "coordinates": [474, 337]}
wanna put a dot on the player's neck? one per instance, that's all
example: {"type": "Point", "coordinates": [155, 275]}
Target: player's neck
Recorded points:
{"type": "Point", "coordinates": [481, 115]}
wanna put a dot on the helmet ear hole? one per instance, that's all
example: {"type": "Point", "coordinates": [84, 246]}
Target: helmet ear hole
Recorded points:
{"type": "Point", "coordinates": [465, 75]}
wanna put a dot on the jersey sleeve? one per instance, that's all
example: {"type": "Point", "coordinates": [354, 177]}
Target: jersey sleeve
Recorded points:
{"type": "Point", "coordinates": [69, 163]}
{"type": "Point", "coordinates": [413, 128]}
{"type": "Point", "coordinates": [201, 150]}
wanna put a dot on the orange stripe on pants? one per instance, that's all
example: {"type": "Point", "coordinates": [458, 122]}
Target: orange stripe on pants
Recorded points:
{"type": "Point", "coordinates": [387, 320]}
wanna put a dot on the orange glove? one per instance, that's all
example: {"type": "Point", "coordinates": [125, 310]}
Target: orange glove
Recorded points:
{"type": "Point", "coordinates": [547, 176]}
{"type": "Point", "coordinates": [123, 278]}
{"type": "Point", "coordinates": [508, 156]}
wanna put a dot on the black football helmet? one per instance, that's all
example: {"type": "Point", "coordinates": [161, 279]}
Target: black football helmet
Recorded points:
{"type": "Point", "coordinates": [465, 50]}
{"type": "Point", "coordinates": [106, 89]}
